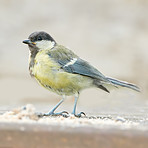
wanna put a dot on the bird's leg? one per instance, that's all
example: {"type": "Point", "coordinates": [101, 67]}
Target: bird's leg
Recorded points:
{"type": "Point", "coordinates": [51, 113]}
{"type": "Point", "coordinates": [74, 109]}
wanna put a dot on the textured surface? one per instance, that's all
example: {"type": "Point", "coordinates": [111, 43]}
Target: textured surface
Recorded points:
{"type": "Point", "coordinates": [45, 136]}
{"type": "Point", "coordinates": [22, 127]}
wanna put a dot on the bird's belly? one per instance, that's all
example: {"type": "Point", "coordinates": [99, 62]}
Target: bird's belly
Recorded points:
{"type": "Point", "coordinates": [59, 81]}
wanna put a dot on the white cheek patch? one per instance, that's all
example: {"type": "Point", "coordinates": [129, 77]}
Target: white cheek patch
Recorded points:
{"type": "Point", "coordinates": [44, 44]}
{"type": "Point", "coordinates": [71, 62]}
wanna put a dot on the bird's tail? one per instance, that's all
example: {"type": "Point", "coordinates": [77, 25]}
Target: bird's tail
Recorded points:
{"type": "Point", "coordinates": [123, 84]}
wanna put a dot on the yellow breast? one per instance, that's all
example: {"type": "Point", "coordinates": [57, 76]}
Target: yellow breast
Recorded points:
{"type": "Point", "coordinates": [50, 75]}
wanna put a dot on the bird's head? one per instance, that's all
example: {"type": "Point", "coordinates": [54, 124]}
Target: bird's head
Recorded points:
{"type": "Point", "coordinates": [40, 41]}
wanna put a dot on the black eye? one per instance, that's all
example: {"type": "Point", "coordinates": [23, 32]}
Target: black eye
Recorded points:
{"type": "Point", "coordinates": [39, 38]}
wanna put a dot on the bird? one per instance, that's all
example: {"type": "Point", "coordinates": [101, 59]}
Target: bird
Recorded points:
{"type": "Point", "coordinates": [60, 70]}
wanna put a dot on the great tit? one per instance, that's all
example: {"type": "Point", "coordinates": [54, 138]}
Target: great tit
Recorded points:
{"type": "Point", "coordinates": [58, 69]}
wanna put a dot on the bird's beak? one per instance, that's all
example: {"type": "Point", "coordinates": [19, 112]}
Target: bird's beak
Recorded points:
{"type": "Point", "coordinates": [28, 42]}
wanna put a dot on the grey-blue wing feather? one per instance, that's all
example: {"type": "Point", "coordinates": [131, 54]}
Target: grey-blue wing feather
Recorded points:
{"type": "Point", "coordinates": [83, 68]}
{"type": "Point", "coordinates": [64, 57]}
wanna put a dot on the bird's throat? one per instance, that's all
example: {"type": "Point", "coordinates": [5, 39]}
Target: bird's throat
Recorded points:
{"type": "Point", "coordinates": [32, 56]}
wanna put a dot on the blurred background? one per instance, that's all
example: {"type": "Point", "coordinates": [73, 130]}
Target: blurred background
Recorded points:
{"type": "Point", "coordinates": [111, 35]}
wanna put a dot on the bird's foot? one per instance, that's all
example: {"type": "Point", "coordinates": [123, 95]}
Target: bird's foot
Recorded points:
{"type": "Point", "coordinates": [63, 113]}
{"type": "Point", "coordinates": [81, 114]}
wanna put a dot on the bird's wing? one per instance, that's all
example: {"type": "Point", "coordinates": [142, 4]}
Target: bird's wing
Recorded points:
{"type": "Point", "coordinates": [71, 63]}
{"type": "Point", "coordinates": [79, 66]}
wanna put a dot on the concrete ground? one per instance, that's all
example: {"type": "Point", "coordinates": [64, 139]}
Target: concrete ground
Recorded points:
{"type": "Point", "coordinates": [22, 127]}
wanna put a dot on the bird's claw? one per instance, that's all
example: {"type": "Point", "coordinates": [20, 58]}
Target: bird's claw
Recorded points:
{"type": "Point", "coordinates": [81, 114]}
{"type": "Point", "coordinates": [63, 113]}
